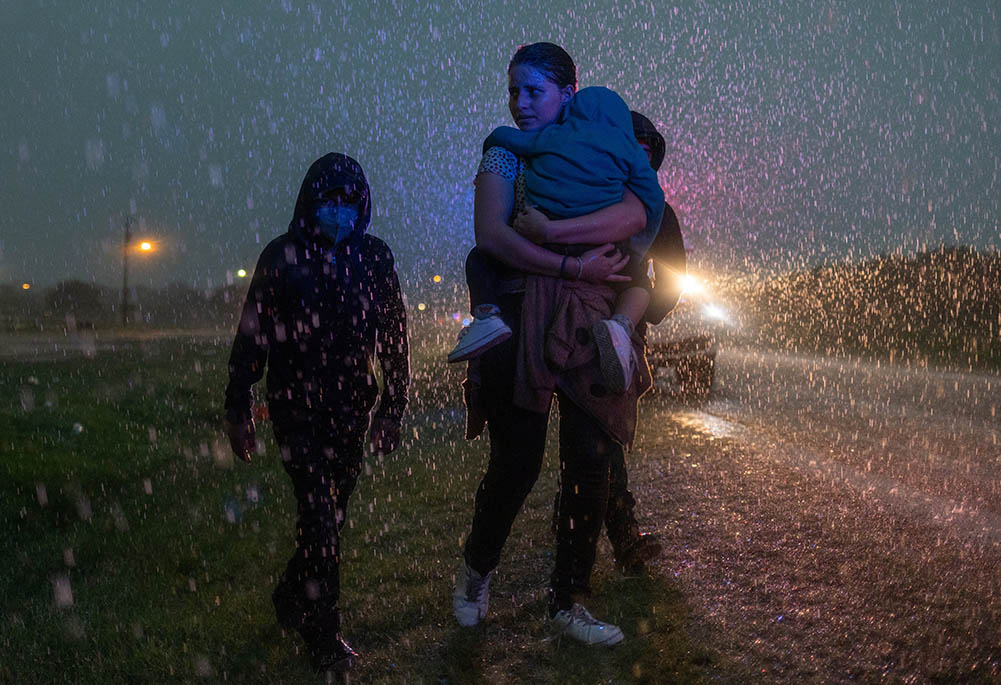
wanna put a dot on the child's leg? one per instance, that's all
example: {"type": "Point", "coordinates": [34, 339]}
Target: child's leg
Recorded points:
{"type": "Point", "coordinates": [630, 306]}
{"type": "Point", "coordinates": [323, 463]}
{"type": "Point", "coordinates": [613, 336]}
{"type": "Point", "coordinates": [482, 274]}
{"type": "Point", "coordinates": [487, 328]}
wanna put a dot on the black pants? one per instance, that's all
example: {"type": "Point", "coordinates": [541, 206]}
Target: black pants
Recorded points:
{"type": "Point", "coordinates": [620, 517]}
{"type": "Point", "coordinates": [323, 463]}
{"type": "Point", "coordinates": [517, 445]}
{"type": "Point", "coordinates": [621, 525]}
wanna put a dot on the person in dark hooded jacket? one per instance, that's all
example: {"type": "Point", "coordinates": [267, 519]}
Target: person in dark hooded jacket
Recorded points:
{"type": "Point", "coordinates": [323, 305]}
{"type": "Point", "coordinates": [631, 548]}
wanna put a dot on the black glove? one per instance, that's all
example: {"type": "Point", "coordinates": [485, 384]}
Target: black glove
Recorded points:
{"type": "Point", "coordinates": [384, 435]}
{"type": "Point", "coordinates": [242, 438]}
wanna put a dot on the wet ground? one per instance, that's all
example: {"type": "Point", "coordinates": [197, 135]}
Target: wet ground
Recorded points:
{"type": "Point", "coordinates": [825, 520]}
{"type": "Point", "coordinates": [832, 520]}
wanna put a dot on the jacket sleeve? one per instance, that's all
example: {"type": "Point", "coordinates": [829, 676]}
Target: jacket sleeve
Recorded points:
{"type": "Point", "coordinates": [249, 354]}
{"type": "Point", "coordinates": [643, 183]}
{"type": "Point", "coordinates": [392, 345]}
{"type": "Point", "coordinates": [669, 264]}
{"type": "Point", "coordinates": [521, 143]}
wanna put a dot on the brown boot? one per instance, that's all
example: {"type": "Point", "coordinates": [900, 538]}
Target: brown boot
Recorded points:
{"type": "Point", "coordinates": [333, 655]}
{"type": "Point", "coordinates": [632, 558]}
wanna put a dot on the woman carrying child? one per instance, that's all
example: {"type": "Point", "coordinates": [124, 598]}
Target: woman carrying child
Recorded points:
{"type": "Point", "coordinates": [550, 302]}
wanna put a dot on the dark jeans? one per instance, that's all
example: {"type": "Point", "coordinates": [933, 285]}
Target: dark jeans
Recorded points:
{"type": "Point", "coordinates": [517, 445]}
{"type": "Point", "coordinates": [323, 463]}
{"type": "Point", "coordinates": [620, 517]}
{"type": "Point", "coordinates": [485, 277]}
{"type": "Point", "coordinates": [621, 525]}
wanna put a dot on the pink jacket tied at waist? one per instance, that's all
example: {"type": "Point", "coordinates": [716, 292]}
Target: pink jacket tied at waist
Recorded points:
{"type": "Point", "coordinates": [556, 351]}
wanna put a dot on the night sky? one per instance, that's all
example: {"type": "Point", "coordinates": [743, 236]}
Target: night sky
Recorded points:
{"type": "Point", "coordinates": [796, 132]}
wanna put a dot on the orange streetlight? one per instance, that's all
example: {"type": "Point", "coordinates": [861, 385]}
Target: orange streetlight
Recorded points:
{"type": "Point", "coordinates": [144, 246]}
{"type": "Point", "coordinates": [26, 286]}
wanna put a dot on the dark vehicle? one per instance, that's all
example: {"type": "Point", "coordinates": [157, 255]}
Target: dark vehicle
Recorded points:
{"type": "Point", "coordinates": [691, 360]}
{"type": "Point", "coordinates": [681, 351]}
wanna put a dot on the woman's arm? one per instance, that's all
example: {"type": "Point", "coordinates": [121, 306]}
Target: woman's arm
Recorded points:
{"type": "Point", "coordinates": [493, 202]}
{"type": "Point", "coordinates": [492, 205]}
{"type": "Point", "coordinates": [610, 224]}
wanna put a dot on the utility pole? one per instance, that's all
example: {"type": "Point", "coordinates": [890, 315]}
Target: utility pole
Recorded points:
{"type": "Point", "coordinates": [125, 271]}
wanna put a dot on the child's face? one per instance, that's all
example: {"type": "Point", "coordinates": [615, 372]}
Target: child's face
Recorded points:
{"type": "Point", "coordinates": [533, 99]}
{"type": "Point", "coordinates": [647, 149]}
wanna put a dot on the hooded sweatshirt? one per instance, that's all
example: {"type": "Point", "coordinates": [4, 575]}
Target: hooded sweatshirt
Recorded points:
{"type": "Point", "coordinates": [318, 314]}
{"type": "Point", "coordinates": [668, 248]}
{"type": "Point", "coordinates": [581, 162]}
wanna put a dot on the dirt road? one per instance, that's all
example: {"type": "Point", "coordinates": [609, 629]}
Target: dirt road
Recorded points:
{"type": "Point", "coordinates": [831, 520]}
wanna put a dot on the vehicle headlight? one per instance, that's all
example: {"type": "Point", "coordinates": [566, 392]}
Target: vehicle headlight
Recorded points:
{"type": "Point", "coordinates": [712, 311]}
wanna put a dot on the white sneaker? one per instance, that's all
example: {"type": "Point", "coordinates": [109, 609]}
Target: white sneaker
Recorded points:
{"type": "Point", "coordinates": [471, 596]}
{"type": "Point", "coordinates": [577, 623]}
{"type": "Point", "coordinates": [615, 354]}
{"type": "Point", "coordinates": [478, 337]}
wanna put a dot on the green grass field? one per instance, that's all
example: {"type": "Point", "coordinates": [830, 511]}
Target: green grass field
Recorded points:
{"type": "Point", "coordinates": [135, 549]}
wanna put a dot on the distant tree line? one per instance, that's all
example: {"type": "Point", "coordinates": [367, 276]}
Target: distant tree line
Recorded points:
{"type": "Point", "coordinates": [938, 306]}
{"type": "Point", "coordinates": [75, 304]}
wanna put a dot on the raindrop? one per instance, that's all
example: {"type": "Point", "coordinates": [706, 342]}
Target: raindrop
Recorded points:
{"type": "Point", "coordinates": [203, 667]}
{"type": "Point", "coordinates": [232, 510]}
{"type": "Point", "coordinates": [62, 591]}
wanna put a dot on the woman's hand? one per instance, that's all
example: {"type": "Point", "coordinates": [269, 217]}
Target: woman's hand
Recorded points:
{"type": "Point", "coordinates": [602, 264]}
{"type": "Point", "coordinates": [534, 225]}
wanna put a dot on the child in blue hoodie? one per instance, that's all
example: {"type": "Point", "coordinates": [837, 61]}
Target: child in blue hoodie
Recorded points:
{"type": "Point", "coordinates": [576, 166]}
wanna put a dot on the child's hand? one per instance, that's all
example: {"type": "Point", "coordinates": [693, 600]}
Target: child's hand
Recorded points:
{"type": "Point", "coordinates": [533, 224]}
{"type": "Point", "coordinates": [384, 436]}
{"type": "Point", "coordinates": [242, 438]}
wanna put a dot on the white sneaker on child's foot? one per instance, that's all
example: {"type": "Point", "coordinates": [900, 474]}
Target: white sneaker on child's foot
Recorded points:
{"type": "Point", "coordinates": [615, 354]}
{"type": "Point", "coordinates": [577, 623]}
{"type": "Point", "coordinates": [478, 337]}
{"type": "Point", "coordinates": [471, 597]}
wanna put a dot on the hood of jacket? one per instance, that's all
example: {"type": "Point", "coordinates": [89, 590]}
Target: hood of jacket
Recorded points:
{"type": "Point", "coordinates": [646, 132]}
{"type": "Point", "coordinates": [333, 170]}
{"type": "Point", "coordinates": [600, 105]}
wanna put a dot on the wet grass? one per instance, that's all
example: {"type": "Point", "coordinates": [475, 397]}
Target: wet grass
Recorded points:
{"type": "Point", "coordinates": [134, 547]}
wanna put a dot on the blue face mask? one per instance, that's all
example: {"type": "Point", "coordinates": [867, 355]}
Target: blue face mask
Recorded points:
{"type": "Point", "coordinates": [336, 221]}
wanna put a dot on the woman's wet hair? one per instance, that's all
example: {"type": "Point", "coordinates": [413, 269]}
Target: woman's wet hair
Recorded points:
{"type": "Point", "coordinates": [548, 59]}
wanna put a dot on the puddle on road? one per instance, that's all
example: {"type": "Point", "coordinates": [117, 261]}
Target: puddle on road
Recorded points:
{"type": "Point", "coordinates": [713, 425]}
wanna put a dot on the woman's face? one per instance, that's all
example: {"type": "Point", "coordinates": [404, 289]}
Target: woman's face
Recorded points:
{"type": "Point", "coordinates": [534, 100]}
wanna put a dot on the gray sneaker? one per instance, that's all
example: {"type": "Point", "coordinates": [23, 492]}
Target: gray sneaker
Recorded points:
{"type": "Point", "coordinates": [471, 596]}
{"type": "Point", "coordinates": [615, 354]}
{"type": "Point", "coordinates": [577, 623]}
{"type": "Point", "coordinates": [478, 337]}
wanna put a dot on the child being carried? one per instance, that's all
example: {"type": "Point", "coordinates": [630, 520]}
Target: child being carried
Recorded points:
{"type": "Point", "coordinates": [575, 166]}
